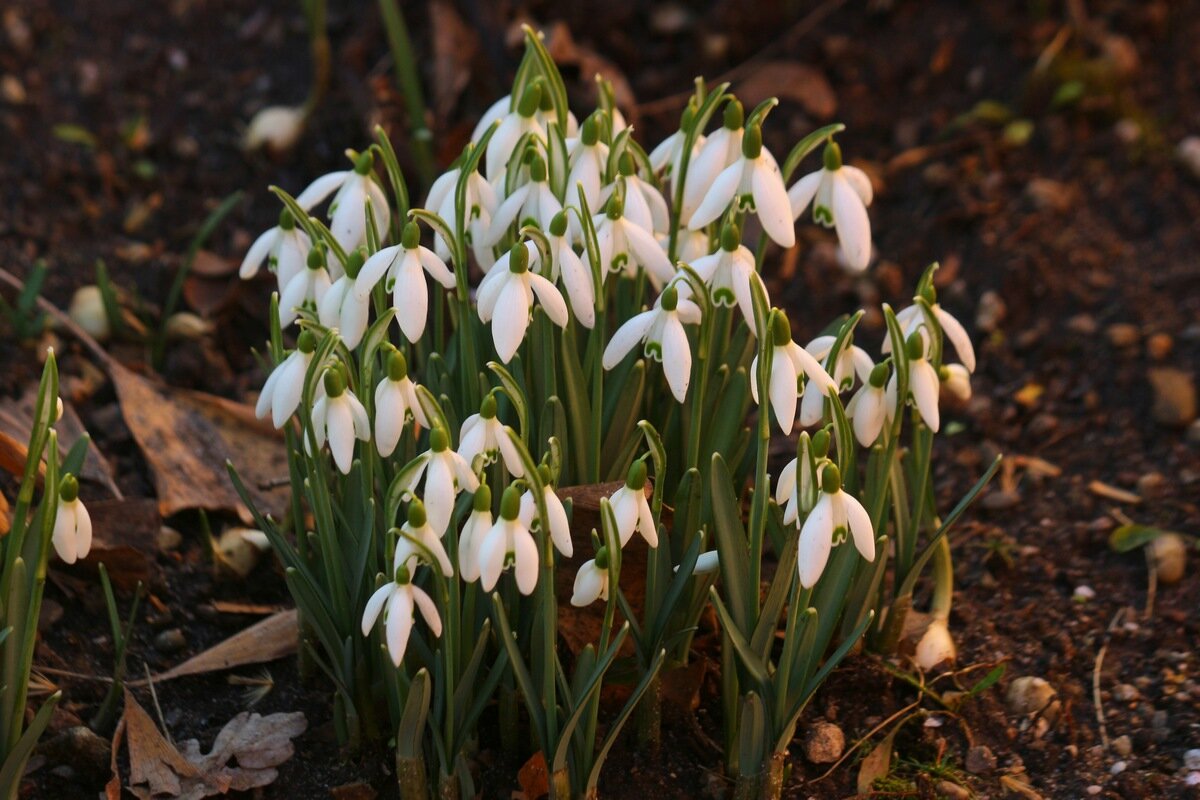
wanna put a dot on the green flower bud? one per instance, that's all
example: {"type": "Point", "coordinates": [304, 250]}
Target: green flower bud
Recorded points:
{"type": "Point", "coordinates": [68, 488]}
{"type": "Point", "coordinates": [307, 342]}
{"type": "Point", "coordinates": [287, 222]}
{"type": "Point", "coordinates": [820, 443]}
{"type": "Point", "coordinates": [410, 237]}
{"type": "Point", "coordinates": [416, 514]}
{"type": "Point", "coordinates": [487, 409]}
{"type": "Point", "coordinates": [832, 156]}
{"type": "Point", "coordinates": [558, 225]}
{"type": "Point", "coordinates": [530, 100]}
{"type": "Point", "coordinates": [831, 479]}
{"type": "Point", "coordinates": [602, 558]}
{"type": "Point", "coordinates": [518, 258]}
{"type": "Point", "coordinates": [752, 142]}
{"type": "Point", "coordinates": [616, 207]}
{"type": "Point", "coordinates": [879, 375]}
{"type": "Point", "coordinates": [544, 474]}
{"type": "Point", "coordinates": [625, 165]}
{"type": "Point", "coordinates": [915, 346]}
{"type": "Point", "coordinates": [402, 575]}
{"type": "Point", "coordinates": [636, 479]}
{"type": "Point", "coordinates": [669, 299]}
{"type": "Point", "coordinates": [735, 115]}
{"type": "Point", "coordinates": [589, 134]}
{"type": "Point", "coordinates": [483, 498]}
{"type": "Point", "coordinates": [510, 503]}
{"type": "Point", "coordinates": [731, 238]}
{"type": "Point", "coordinates": [354, 262]}
{"type": "Point", "coordinates": [364, 163]}
{"type": "Point", "coordinates": [537, 169]}
{"type": "Point", "coordinates": [316, 258]}
{"type": "Point", "coordinates": [397, 366]}
{"type": "Point", "coordinates": [439, 442]}
{"type": "Point", "coordinates": [335, 384]}
{"type": "Point", "coordinates": [781, 328]}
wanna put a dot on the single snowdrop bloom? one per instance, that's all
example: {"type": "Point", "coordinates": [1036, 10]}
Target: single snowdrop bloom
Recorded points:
{"type": "Point", "coordinates": [755, 182]}
{"type": "Point", "coordinates": [913, 317]}
{"type": "Point", "coordinates": [869, 409]}
{"type": "Point", "coordinates": [405, 266]}
{"type": "Point", "coordinates": [632, 509]}
{"type": "Point", "coordinates": [789, 361]}
{"type": "Point", "coordinates": [644, 204]}
{"type": "Point", "coordinates": [284, 248]}
{"type": "Point", "coordinates": [836, 514]}
{"type": "Point", "coordinates": [625, 246]}
{"type": "Point", "coordinates": [923, 382]}
{"type": "Point", "coordinates": [660, 330]}
{"type": "Point", "coordinates": [496, 112]}
{"type": "Point", "coordinates": [515, 124]}
{"type": "Point", "coordinates": [956, 379]}
{"type": "Point", "coordinates": [306, 288]}
{"type": "Point", "coordinates": [483, 436]}
{"type": "Point", "coordinates": [280, 395]}
{"type": "Point", "coordinates": [691, 245]}
{"type": "Point", "coordinates": [591, 582]}
{"type": "Point", "coordinates": [667, 157]}
{"type": "Point", "coordinates": [474, 529]}
{"type": "Point", "coordinates": [72, 536]}
{"type": "Point", "coordinates": [402, 598]}
{"type": "Point", "coordinates": [533, 203]}
{"type": "Point", "coordinates": [505, 299]}
{"type": "Point", "coordinates": [720, 150]}
{"type": "Point", "coordinates": [343, 307]}
{"type": "Point", "coordinates": [480, 203]}
{"type": "Point", "coordinates": [587, 157]}
{"type": "Point", "coordinates": [566, 266]}
{"type": "Point", "coordinates": [851, 362]}
{"type": "Point", "coordinates": [839, 195]}
{"type": "Point", "coordinates": [796, 489]}
{"type": "Point", "coordinates": [418, 537]}
{"type": "Point", "coordinates": [560, 525]}
{"type": "Point", "coordinates": [339, 418]}
{"type": "Point", "coordinates": [727, 273]}
{"type": "Point", "coordinates": [509, 543]}
{"type": "Point", "coordinates": [396, 405]}
{"type": "Point", "coordinates": [348, 209]}
{"type": "Point", "coordinates": [446, 474]}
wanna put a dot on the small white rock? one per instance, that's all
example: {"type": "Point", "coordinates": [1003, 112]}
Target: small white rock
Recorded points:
{"type": "Point", "coordinates": [1118, 768]}
{"type": "Point", "coordinates": [1083, 594]}
{"type": "Point", "coordinates": [1191, 759]}
{"type": "Point", "coordinates": [87, 311]}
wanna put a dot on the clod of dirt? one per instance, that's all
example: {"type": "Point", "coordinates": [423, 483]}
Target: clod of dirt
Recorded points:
{"type": "Point", "coordinates": [171, 640]}
{"type": "Point", "coordinates": [824, 743]}
{"type": "Point", "coordinates": [1174, 396]}
{"type": "Point", "coordinates": [1123, 334]}
{"type": "Point", "coordinates": [980, 760]}
{"type": "Point", "coordinates": [1032, 695]}
{"type": "Point", "coordinates": [1122, 746]}
{"type": "Point", "coordinates": [82, 749]}
{"type": "Point", "coordinates": [1169, 552]}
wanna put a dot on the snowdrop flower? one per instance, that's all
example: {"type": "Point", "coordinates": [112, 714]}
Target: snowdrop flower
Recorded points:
{"type": "Point", "coordinates": [505, 298]}
{"type": "Point", "coordinates": [72, 534]}
{"type": "Point", "coordinates": [277, 128]}
{"type": "Point", "coordinates": [660, 330]}
{"type": "Point", "coordinates": [305, 289]}
{"type": "Point", "coordinates": [495, 113]}
{"type": "Point", "coordinates": [344, 307]}
{"type": "Point", "coordinates": [280, 395]}
{"type": "Point", "coordinates": [796, 489]}
{"type": "Point", "coordinates": [446, 474]}
{"type": "Point", "coordinates": [719, 151]}
{"type": "Point", "coordinates": [789, 361]}
{"type": "Point", "coordinates": [631, 508]}
{"type": "Point", "coordinates": [533, 203]}
{"type": "Point", "coordinates": [827, 524]}
{"type": "Point", "coordinates": [396, 405]}
{"type": "Point", "coordinates": [402, 598]}
{"type": "Point", "coordinates": [476, 527]}
{"type": "Point", "coordinates": [484, 436]}
{"type": "Point", "coordinates": [419, 538]}
{"type": "Point", "coordinates": [666, 158]}
{"type": "Point", "coordinates": [509, 543]}
{"type": "Point", "coordinates": [923, 382]}
{"type": "Point", "coordinates": [348, 210]}
{"type": "Point", "coordinates": [869, 409]}
{"type": "Point", "coordinates": [481, 202]}
{"type": "Point", "coordinates": [957, 380]}
{"type": "Point", "coordinates": [913, 317]}
{"type": "Point", "coordinates": [587, 157]}
{"type": "Point", "coordinates": [339, 418]}
{"type": "Point", "coordinates": [591, 582]}
{"type": "Point", "coordinates": [284, 248]}
{"type": "Point", "coordinates": [691, 245]}
{"type": "Point", "coordinates": [625, 246]}
{"type": "Point", "coordinates": [405, 265]}
{"type": "Point", "coordinates": [727, 273]}
{"type": "Point", "coordinates": [644, 204]}
{"type": "Point", "coordinates": [560, 526]}
{"type": "Point", "coordinates": [754, 180]}
{"type": "Point", "coordinates": [851, 361]}
{"type": "Point", "coordinates": [839, 195]}
{"type": "Point", "coordinates": [565, 264]}
{"type": "Point", "coordinates": [515, 124]}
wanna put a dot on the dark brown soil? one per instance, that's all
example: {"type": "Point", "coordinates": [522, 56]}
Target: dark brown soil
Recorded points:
{"type": "Point", "coordinates": [1090, 223]}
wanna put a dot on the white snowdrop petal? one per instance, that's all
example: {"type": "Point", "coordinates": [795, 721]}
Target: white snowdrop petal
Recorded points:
{"type": "Point", "coordinates": [646, 525]}
{"type": "Point", "coordinates": [560, 526]}
{"type": "Point", "coordinates": [374, 268]}
{"type": "Point", "coordinates": [550, 298]}
{"type": "Point", "coordinates": [924, 385]}
{"type": "Point", "coordinates": [859, 522]}
{"type": "Point", "coordinates": [784, 395]}
{"type": "Point", "coordinates": [511, 456]}
{"type": "Point", "coordinates": [578, 282]}
{"type": "Point", "coordinates": [720, 194]}
{"type": "Point", "coordinates": [258, 253]}
{"type": "Point", "coordinates": [677, 358]}
{"type": "Point", "coordinates": [340, 425]}
{"type": "Point", "coordinates": [63, 535]}
{"type": "Point", "coordinates": [321, 188]}
{"type": "Point", "coordinates": [958, 337]}
{"type": "Point", "coordinates": [511, 319]}
{"type": "Point", "coordinates": [411, 298]}
{"type": "Point", "coordinates": [525, 557]}
{"type": "Point", "coordinates": [853, 225]}
{"type": "Point", "coordinates": [375, 606]}
{"type": "Point", "coordinates": [786, 483]}
{"type": "Point", "coordinates": [771, 203]}
{"type": "Point", "coordinates": [859, 181]}
{"type": "Point", "coordinates": [647, 252]}
{"type": "Point", "coordinates": [816, 540]}
{"type": "Point", "coordinates": [428, 610]}
{"type": "Point", "coordinates": [399, 623]}
{"type": "Point", "coordinates": [587, 585]}
{"type": "Point", "coordinates": [802, 193]}
{"type": "Point", "coordinates": [627, 337]}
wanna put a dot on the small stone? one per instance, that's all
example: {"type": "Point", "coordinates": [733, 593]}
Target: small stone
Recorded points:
{"type": "Point", "coordinates": [1030, 694]}
{"type": "Point", "coordinates": [1118, 768]}
{"type": "Point", "coordinates": [1170, 557]}
{"type": "Point", "coordinates": [952, 791]}
{"type": "Point", "coordinates": [991, 311]}
{"type": "Point", "coordinates": [1125, 693]}
{"type": "Point", "coordinates": [169, 539]}
{"type": "Point", "coordinates": [1188, 152]}
{"type": "Point", "coordinates": [824, 743]}
{"type": "Point", "coordinates": [980, 760]}
{"type": "Point", "coordinates": [1083, 594]}
{"type": "Point", "coordinates": [1049, 195]}
{"type": "Point", "coordinates": [1094, 789]}
{"type": "Point", "coordinates": [1191, 759]}
{"type": "Point", "coordinates": [171, 640]}
{"type": "Point", "coordinates": [1174, 396]}
{"type": "Point", "coordinates": [12, 90]}
{"type": "Point", "coordinates": [1151, 484]}
{"type": "Point", "coordinates": [1000, 500]}
{"type": "Point", "coordinates": [1084, 324]}
{"type": "Point", "coordinates": [1122, 746]}
{"type": "Point", "coordinates": [1123, 334]}
{"type": "Point", "coordinates": [1159, 346]}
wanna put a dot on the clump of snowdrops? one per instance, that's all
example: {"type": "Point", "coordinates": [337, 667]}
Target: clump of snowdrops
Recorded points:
{"type": "Point", "coordinates": [566, 308]}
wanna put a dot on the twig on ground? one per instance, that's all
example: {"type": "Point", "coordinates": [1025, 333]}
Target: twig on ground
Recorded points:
{"type": "Point", "coordinates": [1097, 700]}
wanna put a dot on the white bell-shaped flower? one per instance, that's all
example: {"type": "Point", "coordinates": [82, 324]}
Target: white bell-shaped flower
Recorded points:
{"type": "Point", "coordinates": [632, 509]}
{"type": "Point", "coordinates": [587, 158]}
{"type": "Point", "coordinates": [396, 405]}
{"type": "Point", "coordinates": [505, 299]}
{"type": "Point", "coordinates": [560, 525]}
{"type": "Point", "coordinates": [515, 124]}
{"type": "Point", "coordinates": [446, 474]}
{"type": "Point", "coordinates": [483, 436]}
{"type": "Point", "coordinates": [532, 203]}
{"type": "Point", "coordinates": [280, 395]}
{"type": "Point", "coordinates": [509, 543]}
{"type": "Point", "coordinates": [924, 384]}
{"type": "Point", "coordinates": [402, 598]}
{"type": "Point", "coordinates": [727, 273]}
{"type": "Point", "coordinates": [348, 209]}
{"type": "Point", "coordinates": [796, 489]}
{"type": "Point", "coordinates": [660, 331]}
{"type": "Point", "coordinates": [305, 289]}
{"type": "Point", "coordinates": [496, 112]}
{"type": "Point", "coordinates": [755, 182]}
{"type": "Point", "coordinates": [405, 266]}
{"type": "Point", "coordinates": [956, 379]}
{"type": "Point", "coordinates": [591, 582]}
{"type": "Point", "coordinates": [644, 204]}
{"type": "Point", "coordinates": [72, 533]}
{"type": "Point", "coordinates": [869, 409]}
{"type": "Point", "coordinates": [284, 248]}
{"type": "Point", "coordinates": [343, 307]}
{"type": "Point", "coordinates": [478, 523]}
{"type": "Point", "coordinates": [720, 150]}
{"type": "Point", "coordinates": [789, 362]}
{"type": "Point", "coordinates": [667, 156]}
{"type": "Point", "coordinates": [480, 203]}
{"type": "Point", "coordinates": [339, 418]}
{"type": "Point", "coordinates": [839, 195]}
{"type": "Point", "coordinates": [624, 245]}
{"type": "Point", "coordinates": [851, 362]}
{"type": "Point", "coordinates": [913, 317]}
{"type": "Point", "coordinates": [419, 537]}
{"type": "Point", "coordinates": [691, 246]}
{"type": "Point", "coordinates": [568, 268]}
{"type": "Point", "coordinates": [836, 514]}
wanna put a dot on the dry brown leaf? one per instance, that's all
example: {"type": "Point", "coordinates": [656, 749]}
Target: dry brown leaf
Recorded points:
{"type": "Point", "coordinates": [534, 778]}
{"type": "Point", "coordinates": [454, 48]}
{"type": "Point", "coordinates": [208, 297]}
{"type": "Point", "coordinates": [274, 637]}
{"type": "Point", "coordinates": [125, 539]}
{"type": "Point", "coordinates": [5, 519]}
{"type": "Point", "coordinates": [16, 422]}
{"type": "Point", "coordinates": [154, 764]}
{"type": "Point", "coordinates": [1113, 493]}
{"type": "Point", "coordinates": [790, 80]}
{"type": "Point", "coordinates": [876, 764]}
{"type": "Point", "coordinates": [211, 265]}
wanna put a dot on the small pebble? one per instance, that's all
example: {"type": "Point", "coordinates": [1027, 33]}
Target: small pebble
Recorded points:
{"type": "Point", "coordinates": [1170, 557]}
{"type": "Point", "coordinates": [1189, 154]}
{"type": "Point", "coordinates": [171, 640]}
{"type": "Point", "coordinates": [824, 743]}
{"type": "Point", "coordinates": [980, 760]}
{"type": "Point", "coordinates": [1083, 594]}
{"type": "Point", "coordinates": [1094, 790]}
{"type": "Point", "coordinates": [1118, 768]}
{"type": "Point", "coordinates": [1125, 692]}
{"type": "Point", "coordinates": [1174, 396]}
{"type": "Point", "coordinates": [952, 791]}
{"type": "Point", "coordinates": [1159, 346]}
{"type": "Point", "coordinates": [1122, 746]}
{"type": "Point", "coordinates": [1030, 695]}
{"type": "Point", "coordinates": [1123, 334]}
{"type": "Point", "coordinates": [1191, 759]}
{"type": "Point", "coordinates": [991, 311]}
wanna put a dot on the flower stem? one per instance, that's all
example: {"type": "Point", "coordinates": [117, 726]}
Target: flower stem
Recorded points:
{"type": "Point", "coordinates": [410, 86]}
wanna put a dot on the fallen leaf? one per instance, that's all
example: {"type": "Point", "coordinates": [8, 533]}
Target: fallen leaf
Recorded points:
{"type": "Point", "coordinates": [274, 637]}
{"type": "Point", "coordinates": [876, 764]}
{"type": "Point", "coordinates": [208, 297]}
{"type": "Point", "coordinates": [5, 520]}
{"type": "Point", "coordinates": [211, 265]}
{"type": "Point", "coordinates": [454, 48]}
{"type": "Point", "coordinates": [534, 778]}
{"type": "Point", "coordinates": [16, 423]}
{"type": "Point", "coordinates": [154, 764]}
{"type": "Point", "coordinates": [1016, 785]}
{"type": "Point", "coordinates": [232, 607]}
{"type": "Point", "coordinates": [125, 539]}
{"type": "Point", "coordinates": [1113, 493]}
{"type": "Point", "coordinates": [790, 80]}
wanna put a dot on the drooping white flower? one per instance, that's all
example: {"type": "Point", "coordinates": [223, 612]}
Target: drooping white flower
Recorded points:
{"type": "Point", "coordinates": [869, 409]}
{"type": "Point", "coordinates": [755, 182]}
{"type": "Point", "coordinates": [339, 418]}
{"type": "Point", "coordinates": [509, 543]}
{"type": "Point", "coordinates": [276, 128]}
{"type": "Point", "coordinates": [396, 405]}
{"type": "Point", "coordinates": [566, 266]}
{"type": "Point", "coordinates": [480, 203]}
{"type": "Point", "coordinates": [72, 535]}
{"type": "Point", "coordinates": [720, 150]}
{"type": "Point", "coordinates": [419, 537]}
{"type": "Point", "coordinates": [691, 246]}
{"type": "Point", "coordinates": [532, 203]}
{"type": "Point", "coordinates": [727, 273]}
{"type": "Point", "coordinates": [494, 113]}
{"type": "Point", "coordinates": [660, 330]}
{"type": "Point", "coordinates": [284, 248]}
{"type": "Point", "coordinates": [839, 195]}
{"type": "Point", "coordinates": [305, 289]}
{"type": "Point", "coordinates": [515, 124]}
{"type": "Point", "coordinates": [446, 474]}
{"type": "Point", "coordinates": [591, 582]}
{"type": "Point", "coordinates": [348, 209]}
{"type": "Point", "coordinates": [923, 382]}
{"type": "Point", "coordinates": [852, 361]}
{"type": "Point", "coordinates": [280, 395]}
{"type": "Point", "coordinates": [624, 245]}
{"type": "Point", "coordinates": [506, 295]}
{"type": "Point", "coordinates": [796, 489]}
{"type": "Point", "coordinates": [789, 361]}
{"type": "Point", "coordinates": [644, 204]}
{"type": "Point", "coordinates": [836, 514]}
{"type": "Point", "coordinates": [913, 317]}
{"type": "Point", "coordinates": [343, 307]}
{"type": "Point", "coordinates": [484, 436]}
{"type": "Point", "coordinates": [667, 157]}
{"type": "Point", "coordinates": [957, 380]}
{"type": "Point", "coordinates": [402, 598]}
{"type": "Point", "coordinates": [632, 509]}
{"type": "Point", "coordinates": [560, 526]}
{"type": "Point", "coordinates": [478, 523]}
{"type": "Point", "coordinates": [587, 158]}
{"type": "Point", "coordinates": [405, 266]}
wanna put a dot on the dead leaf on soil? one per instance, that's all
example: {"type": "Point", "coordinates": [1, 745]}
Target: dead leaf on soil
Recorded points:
{"type": "Point", "coordinates": [125, 539]}
{"type": "Point", "coordinates": [16, 422]}
{"type": "Point", "coordinates": [876, 764]}
{"type": "Point", "coordinates": [790, 80]}
{"type": "Point", "coordinates": [534, 778]}
{"type": "Point", "coordinates": [274, 637]}
{"type": "Point", "coordinates": [1111, 492]}
{"type": "Point", "coordinates": [455, 46]}
{"type": "Point", "coordinates": [5, 518]}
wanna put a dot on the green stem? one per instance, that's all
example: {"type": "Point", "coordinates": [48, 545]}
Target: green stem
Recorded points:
{"type": "Point", "coordinates": [410, 86]}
